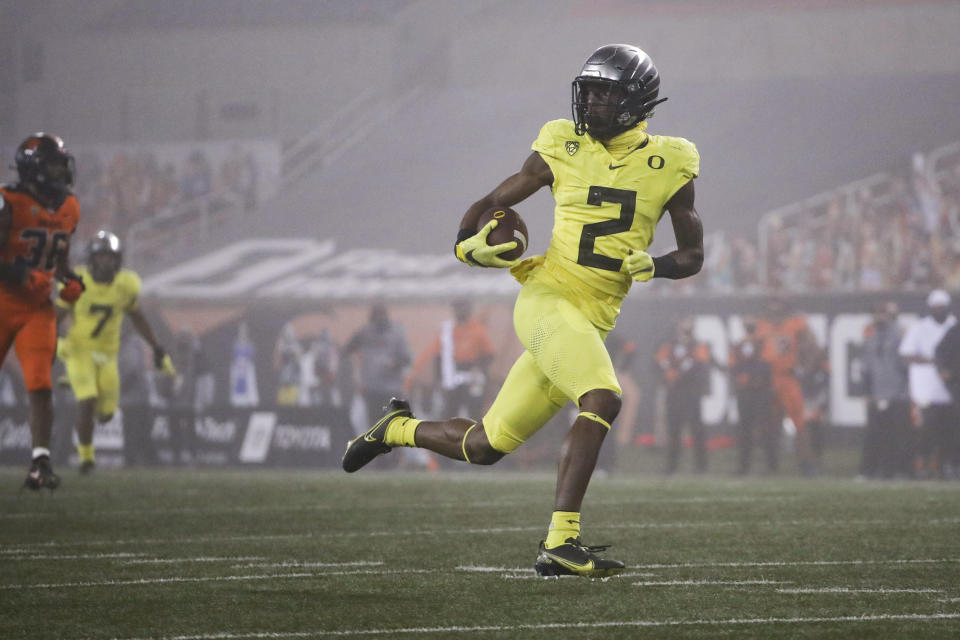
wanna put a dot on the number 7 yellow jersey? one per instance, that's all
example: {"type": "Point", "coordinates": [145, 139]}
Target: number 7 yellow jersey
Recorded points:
{"type": "Point", "coordinates": [98, 313]}
{"type": "Point", "coordinates": [606, 206]}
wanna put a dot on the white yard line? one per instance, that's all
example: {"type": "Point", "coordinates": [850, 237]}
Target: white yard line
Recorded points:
{"type": "Point", "coordinates": [529, 574]}
{"type": "Point", "coordinates": [707, 583]}
{"type": "Point", "coordinates": [525, 573]}
{"type": "Point", "coordinates": [198, 559]}
{"type": "Point", "coordinates": [24, 548]}
{"type": "Point", "coordinates": [305, 565]}
{"type": "Point", "coordinates": [721, 622]}
{"type": "Point", "coordinates": [797, 563]}
{"type": "Point", "coordinates": [175, 579]}
{"type": "Point", "coordinates": [68, 556]}
{"type": "Point", "coordinates": [857, 590]}
{"type": "Point", "coordinates": [482, 569]}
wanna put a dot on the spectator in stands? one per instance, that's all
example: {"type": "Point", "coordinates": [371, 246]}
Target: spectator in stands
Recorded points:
{"type": "Point", "coordinates": [927, 194]}
{"type": "Point", "coordinates": [383, 352]}
{"type": "Point", "coordinates": [238, 175]}
{"type": "Point", "coordinates": [927, 390]}
{"type": "Point", "coordinates": [462, 353]}
{"type": "Point", "coordinates": [164, 191]}
{"type": "Point", "coordinates": [745, 264]}
{"type": "Point", "coordinates": [784, 333]}
{"type": "Point", "coordinates": [197, 180]}
{"type": "Point", "coordinates": [813, 372]}
{"type": "Point", "coordinates": [244, 391]}
{"type": "Point", "coordinates": [322, 361]}
{"type": "Point", "coordinates": [719, 266]}
{"type": "Point", "coordinates": [887, 442]}
{"type": "Point", "coordinates": [195, 386]}
{"type": "Point", "coordinates": [684, 366]}
{"type": "Point", "coordinates": [947, 359]}
{"type": "Point", "coordinates": [286, 362]}
{"type": "Point", "coordinates": [752, 381]}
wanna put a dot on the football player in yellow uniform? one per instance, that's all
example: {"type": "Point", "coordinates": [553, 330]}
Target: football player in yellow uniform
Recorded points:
{"type": "Point", "coordinates": [612, 181]}
{"type": "Point", "coordinates": [90, 348]}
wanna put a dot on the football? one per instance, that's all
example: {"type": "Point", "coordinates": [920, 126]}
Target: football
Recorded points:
{"type": "Point", "coordinates": [510, 227]}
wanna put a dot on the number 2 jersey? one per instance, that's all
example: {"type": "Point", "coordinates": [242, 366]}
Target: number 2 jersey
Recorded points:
{"type": "Point", "coordinates": [608, 199]}
{"type": "Point", "coordinates": [98, 313]}
{"type": "Point", "coordinates": [35, 236]}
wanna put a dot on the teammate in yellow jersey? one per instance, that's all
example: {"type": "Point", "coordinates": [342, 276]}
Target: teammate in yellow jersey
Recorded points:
{"type": "Point", "coordinates": [90, 348]}
{"type": "Point", "coordinates": [611, 181]}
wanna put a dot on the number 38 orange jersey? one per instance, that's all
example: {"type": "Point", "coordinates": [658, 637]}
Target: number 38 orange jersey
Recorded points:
{"type": "Point", "coordinates": [35, 237]}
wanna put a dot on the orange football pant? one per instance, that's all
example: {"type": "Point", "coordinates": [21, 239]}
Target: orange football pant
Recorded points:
{"type": "Point", "coordinates": [33, 333]}
{"type": "Point", "coordinates": [790, 395]}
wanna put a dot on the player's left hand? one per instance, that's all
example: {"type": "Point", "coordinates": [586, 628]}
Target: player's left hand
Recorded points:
{"type": "Point", "coordinates": [639, 265]}
{"type": "Point", "coordinates": [475, 251]}
{"type": "Point", "coordinates": [72, 288]}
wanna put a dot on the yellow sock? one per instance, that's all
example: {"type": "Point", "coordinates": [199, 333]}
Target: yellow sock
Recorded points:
{"type": "Point", "coordinates": [563, 525]}
{"type": "Point", "coordinates": [86, 452]}
{"type": "Point", "coordinates": [400, 432]}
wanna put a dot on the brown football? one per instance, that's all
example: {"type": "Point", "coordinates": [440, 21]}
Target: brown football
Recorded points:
{"type": "Point", "coordinates": [509, 228]}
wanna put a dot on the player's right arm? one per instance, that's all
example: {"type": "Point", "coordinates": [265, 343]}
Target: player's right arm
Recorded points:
{"type": "Point", "coordinates": [533, 175]}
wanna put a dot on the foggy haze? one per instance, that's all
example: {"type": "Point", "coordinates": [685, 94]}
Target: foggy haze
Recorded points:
{"type": "Point", "coordinates": [433, 103]}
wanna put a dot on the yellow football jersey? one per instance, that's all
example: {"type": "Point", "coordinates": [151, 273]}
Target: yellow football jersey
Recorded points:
{"type": "Point", "coordinates": [98, 313]}
{"type": "Point", "coordinates": [608, 201]}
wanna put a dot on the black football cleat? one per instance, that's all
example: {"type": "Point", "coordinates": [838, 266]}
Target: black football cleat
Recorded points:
{"type": "Point", "coordinates": [41, 476]}
{"type": "Point", "coordinates": [87, 467]}
{"type": "Point", "coordinates": [575, 559]}
{"type": "Point", "coordinates": [368, 446]}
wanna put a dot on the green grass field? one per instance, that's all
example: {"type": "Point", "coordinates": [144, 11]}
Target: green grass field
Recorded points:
{"type": "Point", "coordinates": [212, 555]}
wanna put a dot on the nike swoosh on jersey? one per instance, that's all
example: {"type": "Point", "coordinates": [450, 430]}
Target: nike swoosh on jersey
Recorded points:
{"type": "Point", "coordinates": [615, 166]}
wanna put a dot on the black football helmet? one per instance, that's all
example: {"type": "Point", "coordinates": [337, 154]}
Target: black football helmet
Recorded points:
{"type": "Point", "coordinates": [104, 269]}
{"type": "Point", "coordinates": [616, 90]}
{"type": "Point", "coordinates": [43, 161]}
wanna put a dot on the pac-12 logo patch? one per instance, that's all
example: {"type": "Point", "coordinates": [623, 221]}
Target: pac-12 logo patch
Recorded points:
{"type": "Point", "coordinates": [572, 146]}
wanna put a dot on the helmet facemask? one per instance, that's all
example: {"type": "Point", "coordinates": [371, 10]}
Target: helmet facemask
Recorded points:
{"type": "Point", "coordinates": [598, 108]}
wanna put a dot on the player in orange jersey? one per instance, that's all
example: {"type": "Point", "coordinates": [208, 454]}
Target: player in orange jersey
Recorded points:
{"type": "Point", "coordinates": [784, 335]}
{"type": "Point", "coordinates": [38, 215]}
